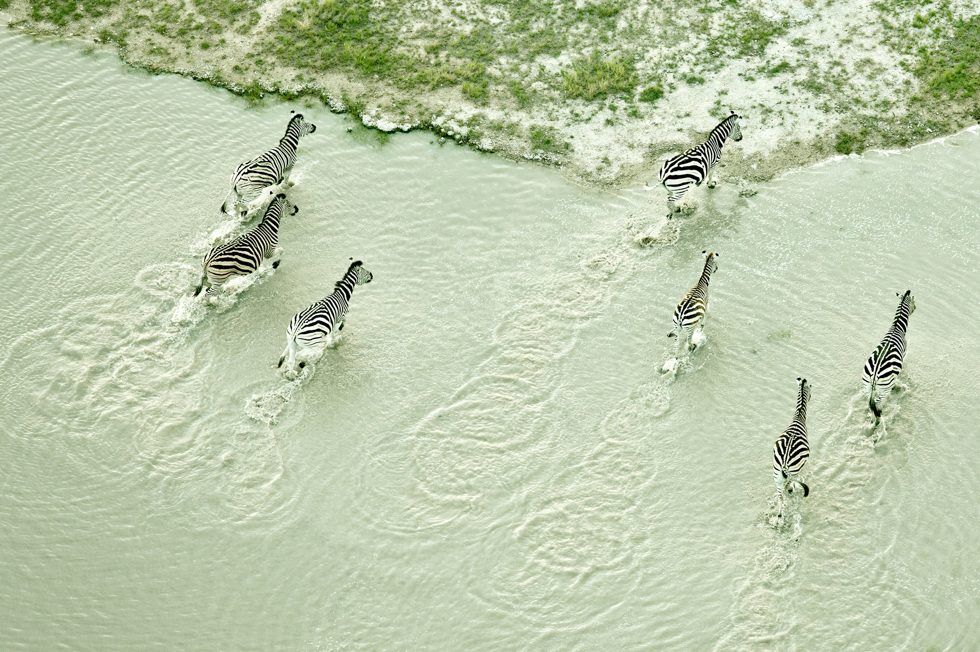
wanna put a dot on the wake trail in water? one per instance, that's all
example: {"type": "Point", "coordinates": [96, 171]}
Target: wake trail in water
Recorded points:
{"type": "Point", "coordinates": [586, 531]}
{"type": "Point", "coordinates": [847, 479]}
{"type": "Point", "coordinates": [465, 457]}
{"type": "Point", "coordinates": [176, 281]}
{"type": "Point", "coordinates": [122, 363]}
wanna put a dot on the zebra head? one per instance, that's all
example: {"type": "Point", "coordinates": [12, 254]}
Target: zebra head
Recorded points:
{"type": "Point", "coordinates": [361, 274]}
{"type": "Point", "coordinates": [711, 261]}
{"type": "Point", "coordinates": [282, 203]}
{"type": "Point", "coordinates": [804, 390]}
{"type": "Point", "coordinates": [736, 133]}
{"type": "Point", "coordinates": [301, 125]}
{"type": "Point", "coordinates": [907, 300]}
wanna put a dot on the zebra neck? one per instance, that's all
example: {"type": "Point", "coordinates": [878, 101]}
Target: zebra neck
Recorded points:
{"type": "Point", "coordinates": [901, 323]}
{"type": "Point", "coordinates": [801, 410]}
{"type": "Point", "coordinates": [346, 285]}
{"type": "Point", "coordinates": [291, 138]}
{"type": "Point", "coordinates": [270, 223]}
{"type": "Point", "coordinates": [705, 279]}
{"type": "Point", "coordinates": [719, 134]}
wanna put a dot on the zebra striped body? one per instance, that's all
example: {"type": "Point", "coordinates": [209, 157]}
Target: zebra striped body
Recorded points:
{"type": "Point", "coordinates": [885, 364]}
{"type": "Point", "coordinates": [691, 313]}
{"type": "Point", "coordinates": [321, 322]}
{"type": "Point", "coordinates": [691, 168]}
{"type": "Point", "coordinates": [244, 254]}
{"type": "Point", "coordinates": [792, 450]}
{"type": "Point", "coordinates": [269, 169]}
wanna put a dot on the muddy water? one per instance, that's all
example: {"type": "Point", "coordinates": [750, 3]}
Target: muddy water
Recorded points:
{"type": "Point", "coordinates": [490, 458]}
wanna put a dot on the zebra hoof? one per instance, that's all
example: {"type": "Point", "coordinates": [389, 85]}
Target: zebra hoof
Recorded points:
{"type": "Point", "coordinates": [275, 265]}
{"type": "Point", "coordinates": [712, 185]}
{"type": "Point", "coordinates": [302, 365]}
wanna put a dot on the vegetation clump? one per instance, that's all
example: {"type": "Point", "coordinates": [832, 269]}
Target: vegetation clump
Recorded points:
{"type": "Point", "coordinates": [595, 77]}
{"type": "Point", "coordinates": [952, 69]}
{"type": "Point", "coordinates": [524, 75]}
{"type": "Point", "coordinates": [652, 93]}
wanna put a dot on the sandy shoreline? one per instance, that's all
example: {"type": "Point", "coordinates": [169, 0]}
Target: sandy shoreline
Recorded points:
{"type": "Point", "coordinates": [813, 80]}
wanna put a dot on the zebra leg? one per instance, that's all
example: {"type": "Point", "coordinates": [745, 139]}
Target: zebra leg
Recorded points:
{"type": "Point", "coordinates": [877, 396]}
{"type": "Point", "coordinates": [232, 202]}
{"type": "Point", "coordinates": [290, 353]}
{"type": "Point", "coordinates": [277, 254]}
{"type": "Point", "coordinates": [200, 286]}
{"type": "Point", "coordinates": [683, 342]}
{"type": "Point", "coordinates": [674, 197]}
{"type": "Point", "coordinates": [698, 338]}
{"type": "Point", "coordinates": [712, 182]}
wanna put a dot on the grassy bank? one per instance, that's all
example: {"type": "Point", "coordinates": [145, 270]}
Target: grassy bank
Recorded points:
{"type": "Point", "coordinates": [602, 87]}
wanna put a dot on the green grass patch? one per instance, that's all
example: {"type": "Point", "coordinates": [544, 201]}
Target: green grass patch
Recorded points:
{"type": "Point", "coordinates": [591, 78]}
{"type": "Point", "coordinates": [652, 93]}
{"type": "Point", "coordinates": [951, 69]}
{"type": "Point", "coordinates": [848, 142]}
{"type": "Point", "coordinates": [604, 9]}
{"type": "Point", "coordinates": [478, 91]}
{"type": "Point", "coordinates": [62, 12]}
{"type": "Point", "coordinates": [226, 10]}
{"type": "Point", "coordinates": [355, 35]}
{"type": "Point", "coordinates": [522, 95]}
{"type": "Point", "coordinates": [546, 139]}
{"type": "Point", "coordinates": [779, 68]}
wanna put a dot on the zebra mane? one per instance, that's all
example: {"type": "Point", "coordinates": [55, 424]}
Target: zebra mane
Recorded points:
{"type": "Point", "coordinates": [804, 396]}
{"type": "Point", "coordinates": [905, 307]}
{"type": "Point", "coordinates": [710, 266]}
{"type": "Point", "coordinates": [723, 124]}
{"type": "Point", "coordinates": [293, 123]}
{"type": "Point", "coordinates": [275, 205]}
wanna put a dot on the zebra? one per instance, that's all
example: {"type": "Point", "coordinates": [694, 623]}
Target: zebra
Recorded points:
{"type": "Point", "coordinates": [791, 450]}
{"type": "Point", "coordinates": [885, 364]}
{"type": "Point", "coordinates": [269, 169]}
{"type": "Point", "coordinates": [322, 322]}
{"type": "Point", "coordinates": [679, 173]}
{"type": "Point", "coordinates": [692, 312]}
{"type": "Point", "coordinates": [243, 255]}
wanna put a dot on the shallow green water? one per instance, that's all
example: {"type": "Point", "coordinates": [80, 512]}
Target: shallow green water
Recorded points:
{"type": "Point", "coordinates": [490, 459]}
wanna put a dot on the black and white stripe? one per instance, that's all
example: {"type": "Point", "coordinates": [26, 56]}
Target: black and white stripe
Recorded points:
{"type": "Point", "coordinates": [244, 254]}
{"type": "Point", "coordinates": [792, 450]}
{"type": "Point", "coordinates": [269, 169]}
{"type": "Point", "coordinates": [885, 364]}
{"type": "Point", "coordinates": [679, 173]}
{"type": "Point", "coordinates": [691, 313]}
{"type": "Point", "coordinates": [323, 321]}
